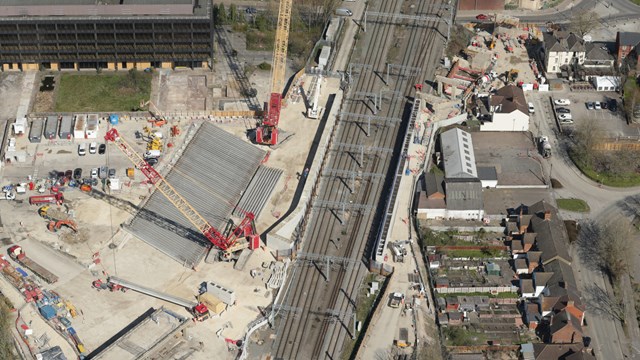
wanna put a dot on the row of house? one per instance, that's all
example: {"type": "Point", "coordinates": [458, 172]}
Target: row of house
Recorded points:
{"type": "Point", "coordinates": [552, 302]}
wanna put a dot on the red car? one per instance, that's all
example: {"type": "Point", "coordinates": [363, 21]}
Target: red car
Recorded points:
{"type": "Point", "coordinates": [482, 17]}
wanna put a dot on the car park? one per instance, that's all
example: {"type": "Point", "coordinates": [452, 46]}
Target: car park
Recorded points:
{"type": "Point", "coordinates": [102, 149]}
{"type": "Point", "coordinates": [93, 147]}
{"type": "Point", "coordinates": [77, 174]}
{"type": "Point", "coordinates": [590, 105]}
{"type": "Point", "coordinates": [102, 173]}
{"type": "Point", "coordinates": [563, 111]}
{"type": "Point", "coordinates": [82, 149]}
{"type": "Point", "coordinates": [597, 105]}
{"type": "Point", "coordinates": [94, 173]}
{"type": "Point", "coordinates": [112, 173]}
{"type": "Point", "coordinates": [565, 117]}
{"type": "Point", "coordinates": [562, 102]}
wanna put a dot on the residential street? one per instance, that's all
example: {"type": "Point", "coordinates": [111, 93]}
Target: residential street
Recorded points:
{"type": "Point", "coordinates": [605, 204]}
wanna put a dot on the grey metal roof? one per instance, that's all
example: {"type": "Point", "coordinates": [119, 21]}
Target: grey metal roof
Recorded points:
{"type": "Point", "coordinates": [457, 151]}
{"type": "Point", "coordinates": [487, 173]}
{"type": "Point", "coordinates": [464, 195]}
{"type": "Point", "coordinates": [96, 8]}
{"type": "Point", "coordinates": [258, 191]}
{"type": "Point", "coordinates": [215, 168]}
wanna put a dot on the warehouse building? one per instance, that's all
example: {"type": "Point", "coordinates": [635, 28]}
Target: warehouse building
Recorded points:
{"type": "Point", "coordinates": [111, 34]}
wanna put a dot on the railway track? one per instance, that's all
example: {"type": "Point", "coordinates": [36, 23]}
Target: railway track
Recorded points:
{"type": "Point", "coordinates": [317, 313]}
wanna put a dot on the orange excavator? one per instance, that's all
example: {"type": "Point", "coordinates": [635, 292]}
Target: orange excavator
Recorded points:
{"type": "Point", "coordinates": [56, 225]}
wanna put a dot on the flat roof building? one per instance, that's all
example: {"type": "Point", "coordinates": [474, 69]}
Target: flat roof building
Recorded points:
{"type": "Point", "coordinates": [77, 34]}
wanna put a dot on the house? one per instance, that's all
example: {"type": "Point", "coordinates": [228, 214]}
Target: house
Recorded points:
{"type": "Point", "coordinates": [455, 318]}
{"type": "Point", "coordinates": [565, 329]}
{"type": "Point", "coordinates": [452, 304]}
{"type": "Point", "coordinates": [467, 303]}
{"type": "Point", "coordinates": [556, 351]}
{"type": "Point", "coordinates": [457, 194]}
{"type": "Point", "coordinates": [561, 291]}
{"type": "Point", "coordinates": [443, 319]}
{"type": "Point", "coordinates": [551, 235]}
{"type": "Point", "coordinates": [520, 266]}
{"type": "Point", "coordinates": [527, 290]}
{"type": "Point", "coordinates": [442, 282]}
{"type": "Point", "coordinates": [562, 49]}
{"type": "Point", "coordinates": [540, 280]}
{"type": "Point", "coordinates": [533, 260]}
{"type": "Point", "coordinates": [509, 110]}
{"type": "Point", "coordinates": [532, 315]}
{"type": "Point", "coordinates": [627, 43]}
{"type": "Point", "coordinates": [606, 83]}
{"type": "Point", "coordinates": [597, 56]}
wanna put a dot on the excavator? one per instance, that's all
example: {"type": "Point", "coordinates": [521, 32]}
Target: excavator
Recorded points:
{"type": "Point", "coordinates": [157, 120]}
{"type": "Point", "coordinates": [57, 219]}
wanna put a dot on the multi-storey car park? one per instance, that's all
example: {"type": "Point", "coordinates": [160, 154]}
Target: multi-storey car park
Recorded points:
{"type": "Point", "coordinates": [105, 34]}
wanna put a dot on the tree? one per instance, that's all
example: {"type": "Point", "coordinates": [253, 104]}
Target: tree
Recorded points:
{"type": "Point", "coordinates": [585, 138]}
{"type": "Point", "coordinates": [221, 14]}
{"type": "Point", "coordinates": [233, 13]}
{"type": "Point", "coordinates": [606, 247]}
{"type": "Point", "coordinates": [583, 22]}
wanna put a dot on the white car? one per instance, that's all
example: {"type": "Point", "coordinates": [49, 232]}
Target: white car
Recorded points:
{"type": "Point", "coordinates": [565, 117]}
{"type": "Point", "coordinates": [82, 149]}
{"type": "Point", "coordinates": [531, 108]}
{"type": "Point", "coordinates": [562, 102]}
{"type": "Point", "coordinates": [94, 173]}
{"type": "Point", "coordinates": [566, 122]}
{"type": "Point", "coordinates": [93, 147]}
{"type": "Point", "coordinates": [597, 105]}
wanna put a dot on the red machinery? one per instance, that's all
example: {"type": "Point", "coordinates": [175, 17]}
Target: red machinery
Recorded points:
{"type": "Point", "coordinates": [56, 198]}
{"type": "Point", "coordinates": [228, 243]}
{"type": "Point", "coordinates": [267, 130]}
{"type": "Point", "coordinates": [104, 285]}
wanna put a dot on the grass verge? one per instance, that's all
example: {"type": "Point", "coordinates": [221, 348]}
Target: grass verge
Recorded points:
{"type": "Point", "coordinates": [572, 204]}
{"type": "Point", "coordinates": [607, 179]}
{"type": "Point", "coordinates": [103, 92]}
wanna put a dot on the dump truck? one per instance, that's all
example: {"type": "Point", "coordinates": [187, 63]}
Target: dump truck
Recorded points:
{"type": "Point", "coordinates": [545, 146]}
{"type": "Point", "coordinates": [403, 338]}
{"type": "Point", "coordinates": [56, 198]}
{"type": "Point", "coordinates": [50, 213]}
{"type": "Point", "coordinates": [19, 255]}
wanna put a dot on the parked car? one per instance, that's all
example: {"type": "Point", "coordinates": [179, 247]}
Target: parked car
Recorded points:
{"type": "Point", "coordinates": [77, 174]}
{"type": "Point", "coordinates": [65, 322]}
{"type": "Point", "coordinates": [613, 105]}
{"type": "Point", "coordinates": [152, 161]}
{"type": "Point", "coordinates": [562, 102]}
{"type": "Point", "coordinates": [566, 122]}
{"type": "Point", "coordinates": [102, 149]}
{"type": "Point", "coordinates": [590, 105]}
{"type": "Point", "coordinates": [82, 149]}
{"type": "Point", "coordinates": [482, 17]}
{"type": "Point", "coordinates": [605, 105]}
{"type": "Point", "coordinates": [93, 147]}
{"type": "Point", "coordinates": [565, 117]}
{"type": "Point", "coordinates": [68, 174]}
{"type": "Point", "coordinates": [251, 10]}
{"type": "Point", "coordinates": [531, 108]}
{"type": "Point", "coordinates": [112, 173]}
{"type": "Point", "coordinates": [94, 173]}
{"type": "Point", "coordinates": [563, 111]}
{"type": "Point", "coordinates": [102, 174]}
{"type": "Point", "coordinates": [597, 105]}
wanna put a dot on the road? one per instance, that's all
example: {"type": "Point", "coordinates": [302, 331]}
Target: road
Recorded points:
{"type": "Point", "coordinates": [316, 316]}
{"type": "Point", "coordinates": [605, 204]}
{"type": "Point", "coordinates": [609, 10]}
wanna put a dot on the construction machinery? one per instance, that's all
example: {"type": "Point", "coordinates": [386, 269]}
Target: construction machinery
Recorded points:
{"type": "Point", "coordinates": [19, 255]}
{"type": "Point", "coordinates": [513, 74]}
{"type": "Point", "coordinates": [267, 129]}
{"type": "Point", "coordinates": [157, 120]}
{"type": "Point", "coordinates": [236, 237]}
{"type": "Point", "coordinates": [545, 146]}
{"type": "Point", "coordinates": [107, 285]}
{"type": "Point", "coordinates": [313, 112]}
{"type": "Point", "coordinates": [199, 311]}
{"type": "Point", "coordinates": [54, 226]}
{"type": "Point", "coordinates": [55, 198]}
{"type": "Point", "coordinates": [50, 213]}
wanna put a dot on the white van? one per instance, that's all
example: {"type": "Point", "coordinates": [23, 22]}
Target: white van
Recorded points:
{"type": "Point", "coordinates": [343, 12]}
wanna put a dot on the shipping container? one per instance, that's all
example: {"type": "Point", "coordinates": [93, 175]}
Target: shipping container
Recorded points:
{"type": "Point", "coordinates": [66, 127]}
{"type": "Point", "coordinates": [92, 126]}
{"type": "Point", "coordinates": [35, 134]}
{"type": "Point", "coordinates": [51, 128]}
{"type": "Point", "coordinates": [48, 312]}
{"type": "Point", "coordinates": [78, 129]}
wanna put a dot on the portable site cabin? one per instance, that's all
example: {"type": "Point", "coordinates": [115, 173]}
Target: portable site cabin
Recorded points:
{"type": "Point", "coordinates": [20, 127]}
{"type": "Point", "coordinates": [35, 134]}
{"type": "Point", "coordinates": [91, 131]}
{"type": "Point", "coordinates": [51, 127]}
{"type": "Point", "coordinates": [66, 127]}
{"type": "Point", "coordinates": [81, 123]}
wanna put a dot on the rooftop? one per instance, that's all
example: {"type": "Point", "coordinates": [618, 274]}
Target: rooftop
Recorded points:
{"type": "Point", "coordinates": [629, 38]}
{"type": "Point", "coordinates": [10, 8]}
{"type": "Point", "coordinates": [458, 155]}
{"type": "Point", "coordinates": [508, 99]}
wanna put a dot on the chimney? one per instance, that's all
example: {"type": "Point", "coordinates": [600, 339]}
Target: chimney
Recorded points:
{"type": "Point", "coordinates": [570, 303]}
{"type": "Point", "coordinates": [547, 214]}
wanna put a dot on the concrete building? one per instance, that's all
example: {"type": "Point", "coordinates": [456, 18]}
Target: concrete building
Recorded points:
{"type": "Point", "coordinates": [561, 49]}
{"type": "Point", "coordinates": [125, 34]}
{"type": "Point", "coordinates": [508, 109]}
{"type": "Point", "coordinates": [457, 194]}
{"type": "Point", "coordinates": [606, 83]}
